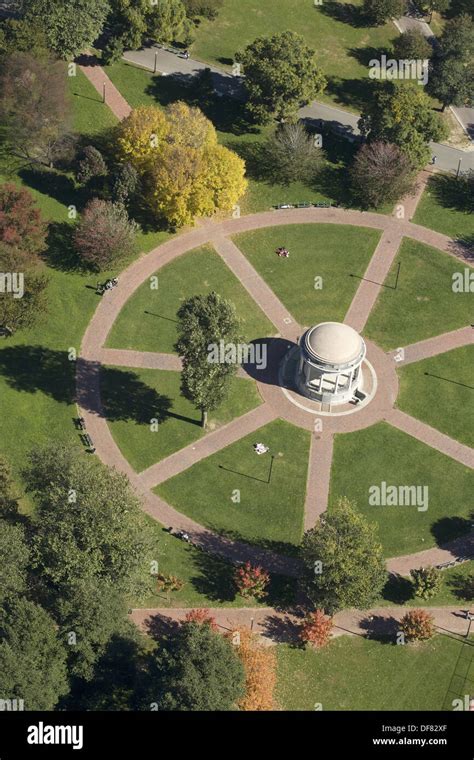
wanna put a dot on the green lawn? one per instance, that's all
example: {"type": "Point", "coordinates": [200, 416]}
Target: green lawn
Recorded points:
{"type": "Point", "coordinates": [440, 208]}
{"type": "Point", "coordinates": [382, 453]}
{"type": "Point", "coordinates": [148, 320]}
{"type": "Point", "coordinates": [332, 252]}
{"type": "Point", "coordinates": [268, 514]}
{"type": "Point", "coordinates": [92, 117]}
{"type": "Point", "coordinates": [343, 44]}
{"type": "Point", "coordinates": [444, 397]}
{"type": "Point", "coordinates": [208, 580]}
{"type": "Point", "coordinates": [141, 87]}
{"type": "Point", "coordinates": [132, 398]}
{"type": "Point", "coordinates": [456, 588]}
{"type": "Point", "coordinates": [424, 304]}
{"type": "Point", "coordinates": [354, 673]}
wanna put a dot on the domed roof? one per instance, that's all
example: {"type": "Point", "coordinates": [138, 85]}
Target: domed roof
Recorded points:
{"type": "Point", "coordinates": [334, 343]}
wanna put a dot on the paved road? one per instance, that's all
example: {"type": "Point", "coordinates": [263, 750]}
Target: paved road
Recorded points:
{"type": "Point", "coordinates": [171, 63]}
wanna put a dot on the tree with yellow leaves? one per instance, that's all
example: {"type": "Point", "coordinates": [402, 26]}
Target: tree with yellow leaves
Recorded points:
{"type": "Point", "coordinates": [186, 173]}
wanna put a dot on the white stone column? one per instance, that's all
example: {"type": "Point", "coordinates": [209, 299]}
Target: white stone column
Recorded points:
{"type": "Point", "coordinates": [337, 383]}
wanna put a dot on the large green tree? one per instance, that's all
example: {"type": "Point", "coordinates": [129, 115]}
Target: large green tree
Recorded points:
{"type": "Point", "coordinates": [401, 113]}
{"type": "Point", "coordinates": [8, 495]}
{"type": "Point", "coordinates": [89, 525]}
{"type": "Point", "coordinates": [379, 11]}
{"type": "Point", "coordinates": [343, 560]}
{"type": "Point", "coordinates": [167, 21]}
{"type": "Point", "coordinates": [196, 669]}
{"type": "Point", "coordinates": [458, 37]}
{"type": "Point", "coordinates": [70, 27]}
{"type": "Point", "coordinates": [32, 659]}
{"type": "Point", "coordinates": [23, 301]}
{"type": "Point", "coordinates": [281, 75]}
{"type": "Point", "coordinates": [412, 45]}
{"type": "Point", "coordinates": [452, 82]}
{"type": "Point", "coordinates": [14, 560]}
{"type": "Point", "coordinates": [204, 322]}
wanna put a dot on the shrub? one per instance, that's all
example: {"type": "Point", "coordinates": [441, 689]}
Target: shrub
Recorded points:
{"type": "Point", "coordinates": [202, 617]}
{"type": "Point", "coordinates": [417, 625]}
{"type": "Point", "coordinates": [125, 183]}
{"type": "Point", "coordinates": [251, 581]}
{"type": "Point", "coordinates": [259, 663]}
{"type": "Point", "coordinates": [21, 223]}
{"type": "Point", "coordinates": [426, 581]}
{"type": "Point", "coordinates": [91, 165]}
{"type": "Point", "coordinates": [316, 629]}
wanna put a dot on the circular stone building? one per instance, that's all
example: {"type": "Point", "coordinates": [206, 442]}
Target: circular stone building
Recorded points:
{"type": "Point", "coordinates": [329, 367]}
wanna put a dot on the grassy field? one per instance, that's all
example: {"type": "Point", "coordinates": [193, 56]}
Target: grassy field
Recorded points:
{"type": "Point", "coordinates": [335, 30]}
{"type": "Point", "coordinates": [207, 580]}
{"type": "Point", "coordinates": [148, 320]}
{"type": "Point", "coordinates": [141, 87]}
{"type": "Point", "coordinates": [440, 391]}
{"type": "Point", "coordinates": [424, 304]}
{"type": "Point", "coordinates": [354, 673]}
{"type": "Point", "coordinates": [441, 208]}
{"type": "Point", "coordinates": [332, 252]}
{"type": "Point", "coordinates": [268, 513]}
{"type": "Point", "coordinates": [383, 454]}
{"type": "Point", "coordinates": [132, 398]}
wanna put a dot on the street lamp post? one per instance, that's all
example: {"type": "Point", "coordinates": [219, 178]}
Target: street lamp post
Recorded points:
{"type": "Point", "coordinates": [156, 62]}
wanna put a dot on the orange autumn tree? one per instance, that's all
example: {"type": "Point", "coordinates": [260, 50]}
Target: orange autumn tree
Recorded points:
{"type": "Point", "coordinates": [259, 663]}
{"type": "Point", "coordinates": [201, 616]}
{"type": "Point", "coordinates": [316, 629]}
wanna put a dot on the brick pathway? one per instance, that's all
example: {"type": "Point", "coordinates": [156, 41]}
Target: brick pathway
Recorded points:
{"type": "Point", "coordinates": [440, 344]}
{"type": "Point", "coordinates": [319, 478]}
{"type": "Point", "coordinates": [96, 75]}
{"type": "Point", "coordinates": [277, 627]}
{"type": "Point", "coordinates": [211, 443]}
{"type": "Point", "coordinates": [93, 354]}
{"type": "Point", "coordinates": [410, 202]}
{"type": "Point", "coordinates": [431, 437]}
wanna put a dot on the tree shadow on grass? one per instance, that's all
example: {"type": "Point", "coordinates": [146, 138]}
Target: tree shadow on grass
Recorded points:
{"type": "Point", "coordinates": [346, 13]}
{"type": "Point", "coordinates": [449, 528]}
{"type": "Point", "coordinates": [450, 193]}
{"type": "Point", "coordinates": [51, 183]}
{"type": "Point", "coordinates": [29, 369]}
{"type": "Point", "coordinates": [398, 589]}
{"type": "Point", "coordinates": [462, 586]}
{"type": "Point", "coordinates": [126, 397]}
{"type": "Point", "coordinates": [278, 547]}
{"type": "Point", "coordinates": [60, 253]}
{"type": "Point", "coordinates": [364, 55]}
{"type": "Point", "coordinates": [353, 93]}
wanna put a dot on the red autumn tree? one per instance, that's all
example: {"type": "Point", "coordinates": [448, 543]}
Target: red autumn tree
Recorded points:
{"type": "Point", "coordinates": [201, 616]}
{"type": "Point", "coordinates": [21, 223]}
{"type": "Point", "coordinates": [316, 629]}
{"type": "Point", "coordinates": [417, 625]}
{"type": "Point", "coordinates": [251, 581]}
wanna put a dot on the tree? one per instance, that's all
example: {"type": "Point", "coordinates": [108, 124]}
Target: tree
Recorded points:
{"type": "Point", "coordinates": [91, 164]}
{"type": "Point", "coordinates": [14, 560]}
{"type": "Point", "coordinates": [202, 617]}
{"type": "Point", "coordinates": [125, 183]}
{"type": "Point", "coordinates": [8, 498]}
{"type": "Point", "coordinates": [141, 136]}
{"type": "Point", "coordinates": [69, 27]}
{"type": "Point", "coordinates": [207, 8]}
{"type": "Point", "coordinates": [281, 75]}
{"type": "Point", "coordinates": [34, 108]}
{"type": "Point", "coordinates": [452, 82]}
{"type": "Point", "coordinates": [196, 669]}
{"type": "Point", "coordinates": [344, 560]}
{"type": "Point", "coordinates": [89, 523]}
{"type": "Point", "coordinates": [259, 663]}
{"type": "Point", "coordinates": [401, 113]}
{"type": "Point", "coordinates": [426, 581]}
{"type": "Point", "coordinates": [436, 5]}
{"type": "Point", "coordinates": [316, 629]}
{"type": "Point", "coordinates": [417, 625]}
{"type": "Point", "coordinates": [26, 36]}
{"type": "Point", "coordinates": [104, 234]}
{"type": "Point", "coordinates": [21, 223]}
{"type": "Point", "coordinates": [188, 127]}
{"type": "Point", "coordinates": [251, 581]}
{"type": "Point", "coordinates": [24, 299]}
{"type": "Point", "coordinates": [458, 38]}
{"type": "Point", "coordinates": [412, 45]}
{"type": "Point", "coordinates": [128, 22]}
{"type": "Point", "coordinates": [32, 660]}
{"type": "Point", "coordinates": [290, 154]}
{"type": "Point", "coordinates": [167, 21]}
{"type": "Point", "coordinates": [380, 11]}
{"type": "Point", "coordinates": [89, 613]}
{"type": "Point", "coordinates": [203, 322]}
{"type": "Point", "coordinates": [380, 174]}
